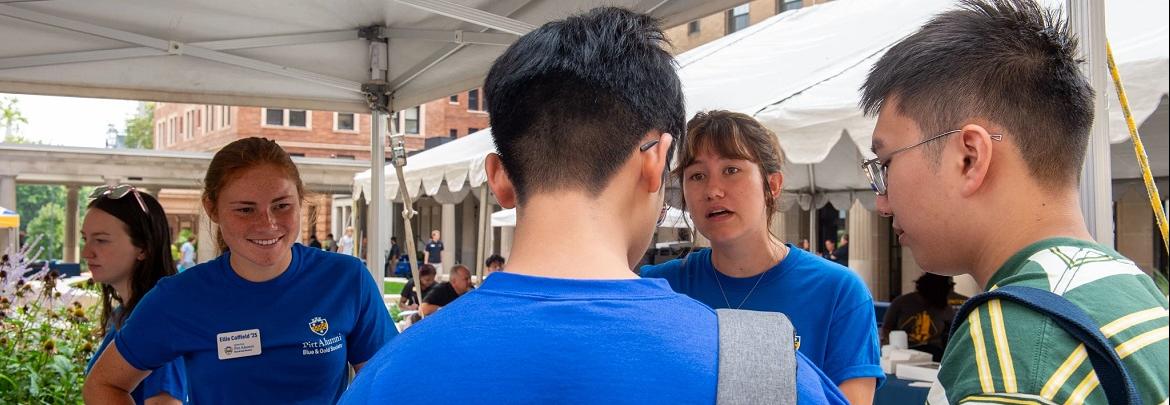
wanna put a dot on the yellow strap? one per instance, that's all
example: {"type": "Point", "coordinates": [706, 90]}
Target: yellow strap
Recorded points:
{"type": "Point", "coordinates": [1139, 150]}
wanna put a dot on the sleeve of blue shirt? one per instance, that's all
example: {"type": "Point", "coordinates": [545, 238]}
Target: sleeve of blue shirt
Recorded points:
{"type": "Point", "coordinates": [143, 339]}
{"type": "Point", "coordinates": [171, 379]}
{"type": "Point", "coordinates": [373, 326]}
{"type": "Point", "coordinates": [813, 387]}
{"type": "Point", "coordinates": [856, 355]}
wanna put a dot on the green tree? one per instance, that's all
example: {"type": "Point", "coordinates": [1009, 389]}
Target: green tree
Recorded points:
{"type": "Point", "coordinates": [50, 224]}
{"type": "Point", "coordinates": [140, 129]}
{"type": "Point", "coordinates": [11, 118]}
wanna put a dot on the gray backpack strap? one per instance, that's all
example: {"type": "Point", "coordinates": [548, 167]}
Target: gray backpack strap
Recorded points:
{"type": "Point", "coordinates": [757, 358]}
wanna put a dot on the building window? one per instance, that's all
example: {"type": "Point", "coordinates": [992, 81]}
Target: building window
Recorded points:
{"type": "Point", "coordinates": [410, 120]}
{"type": "Point", "coordinates": [785, 5]}
{"type": "Point", "coordinates": [346, 157]}
{"type": "Point", "coordinates": [276, 117]}
{"type": "Point", "coordinates": [693, 27]}
{"type": "Point", "coordinates": [472, 130]}
{"type": "Point", "coordinates": [454, 99]}
{"type": "Point", "coordinates": [454, 133]}
{"type": "Point", "coordinates": [346, 122]}
{"type": "Point", "coordinates": [737, 18]}
{"type": "Point", "coordinates": [298, 118]}
{"type": "Point", "coordinates": [473, 100]}
{"type": "Point", "coordinates": [296, 154]}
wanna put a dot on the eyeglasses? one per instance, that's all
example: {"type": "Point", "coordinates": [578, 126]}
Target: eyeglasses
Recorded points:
{"type": "Point", "coordinates": [875, 169]}
{"type": "Point", "coordinates": [117, 192]}
{"type": "Point", "coordinates": [665, 174]}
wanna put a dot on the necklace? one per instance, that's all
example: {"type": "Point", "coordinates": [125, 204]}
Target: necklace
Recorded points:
{"type": "Point", "coordinates": [714, 273]}
{"type": "Point", "coordinates": [745, 298]}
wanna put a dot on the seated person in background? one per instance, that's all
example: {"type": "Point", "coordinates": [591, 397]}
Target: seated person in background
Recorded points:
{"type": "Point", "coordinates": [444, 293]}
{"type": "Point", "coordinates": [409, 299]}
{"type": "Point", "coordinates": [924, 314]}
{"type": "Point", "coordinates": [493, 264]}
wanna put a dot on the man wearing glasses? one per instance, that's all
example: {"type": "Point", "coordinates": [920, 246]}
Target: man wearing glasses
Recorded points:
{"type": "Point", "coordinates": [983, 119]}
{"type": "Point", "coordinates": [585, 112]}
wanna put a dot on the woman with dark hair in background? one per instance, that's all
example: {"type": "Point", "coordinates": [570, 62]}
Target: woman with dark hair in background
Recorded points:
{"type": "Point", "coordinates": [127, 249]}
{"type": "Point", "coordinates": [729, 171]}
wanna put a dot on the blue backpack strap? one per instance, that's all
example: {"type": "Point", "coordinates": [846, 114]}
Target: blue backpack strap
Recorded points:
{"type": "Point", "coordinates": [1111, 372]}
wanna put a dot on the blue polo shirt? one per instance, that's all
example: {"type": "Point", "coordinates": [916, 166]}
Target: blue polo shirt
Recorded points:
{"type": "Point", "coordinates": [828, 304]}
{"type": "Point", "coordinates": [285, 340]}
{"type": "Point", "coordinates": [535, 340]}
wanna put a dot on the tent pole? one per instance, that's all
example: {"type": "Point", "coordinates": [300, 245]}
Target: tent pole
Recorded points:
{"type": "Point", "coordinates": [1087, 20]}
{"type": "Point", "coordinates": [481, 246]}
{"type": "Point", "coordinates": [812, 209]}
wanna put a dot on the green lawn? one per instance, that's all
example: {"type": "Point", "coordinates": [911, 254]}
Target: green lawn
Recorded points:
{"type": "Point", "coordinates": [393, 287]}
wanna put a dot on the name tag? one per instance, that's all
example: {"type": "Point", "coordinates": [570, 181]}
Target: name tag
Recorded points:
{"type": "Point", "coordinates": [232, 345]}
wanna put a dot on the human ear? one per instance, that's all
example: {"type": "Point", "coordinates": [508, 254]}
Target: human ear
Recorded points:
{"type": "Point", "coordinates": [499, 182]}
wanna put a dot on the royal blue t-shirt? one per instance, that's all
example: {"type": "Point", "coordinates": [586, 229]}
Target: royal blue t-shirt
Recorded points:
{"type": "Point", "coordinates": [827, 303]}
{"type": "Point", "coordinates": [320, 314]}
{"type": "Point", "coordinates": [535, 340]}
{"type": "Point", "coordinates": [171, 378]}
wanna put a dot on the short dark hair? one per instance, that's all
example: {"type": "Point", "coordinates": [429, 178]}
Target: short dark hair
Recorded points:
{"type": "Point", "coordinates": [426, 270]}
{"type": "Point", "coordinates": [493, 259]}
{"type": "Point", "coordinates": [1012, 62]}
{"type": "Point", "coordinates": [570, 100]}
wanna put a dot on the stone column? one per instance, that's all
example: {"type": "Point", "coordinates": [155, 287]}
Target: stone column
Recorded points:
{"type": "Point", "coordinates": [506, 234]}
{"type": "Point", "coordinates": [863, 244]}
{"type": "Point", "coordinates": [205, 238]}
{"type": "Point", "coordinates": [70, 242]}
{"type": "Point", "coordinates": [9, 238]}
{"type": "Point", "coordinates": [1135, 228]}
{"type": "Point", "coordinates": [447, 226]}
{"type": "Point", "coordinates": [468, 234]}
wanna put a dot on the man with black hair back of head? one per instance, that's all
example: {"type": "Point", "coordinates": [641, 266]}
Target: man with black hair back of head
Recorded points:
{"type": "Point", "coordinates": [585, 112]}
{"type": "Point", "coordinates": [983, 120]}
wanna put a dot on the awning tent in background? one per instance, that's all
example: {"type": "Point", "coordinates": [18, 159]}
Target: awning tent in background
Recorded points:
{"type": "Point", "coordinates": [675, 218]}
{"type": "Point", "coordinates": [445, 172]}
{"type": "Point", "coordinates": [803, 84]}
{"type": "Point", "coordinates": [10, 223]}
{"type": "Point", "coordinates": [9, 218]}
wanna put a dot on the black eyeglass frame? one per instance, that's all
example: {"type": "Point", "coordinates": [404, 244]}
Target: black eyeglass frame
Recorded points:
{"type": "Point", "coordinates": [875, 169]}
{"type": "Point", "coordinates": [665, 175]}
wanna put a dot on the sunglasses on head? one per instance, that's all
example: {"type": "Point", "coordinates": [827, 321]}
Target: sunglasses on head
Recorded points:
{"type": "Point", "coordinates": [117, 192]}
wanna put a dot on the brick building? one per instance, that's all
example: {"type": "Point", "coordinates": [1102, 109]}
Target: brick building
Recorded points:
{"type": "Point", "coordinates": [706, 29]}
{"type": "Point", "coordinates": [303, 133]}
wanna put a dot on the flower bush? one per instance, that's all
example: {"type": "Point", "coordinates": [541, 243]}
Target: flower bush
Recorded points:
{"type": "Point", "coordinates": [46, 336]}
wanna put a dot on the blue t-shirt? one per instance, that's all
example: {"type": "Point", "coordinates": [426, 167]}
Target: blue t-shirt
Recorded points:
{"type": "Point", "coordinates": [829, 305]}
{"type": "Point", "coordinates": [171, 378]}
{"type": "Point", "coordinates": [434, 251]}
{"type": "Point", "coordinates": [535, 340]}
{"type": "Point", "coordinates": [321, 313]}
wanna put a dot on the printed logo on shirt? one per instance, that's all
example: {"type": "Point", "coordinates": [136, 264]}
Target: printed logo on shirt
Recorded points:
{"type": "Point", "coordinates": [319, 325]}
{"type": "Point", "coordinates": [322, 346]}
{"type": "Point", "coordinates": [796, 342]}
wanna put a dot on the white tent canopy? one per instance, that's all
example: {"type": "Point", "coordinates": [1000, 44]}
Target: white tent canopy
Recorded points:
{"type": "Point", "coordinates": [296, 54]}
{"type": "Point", "coordinates": [803, 84]}
{"type": "Point", "coordinates": [457, 164]}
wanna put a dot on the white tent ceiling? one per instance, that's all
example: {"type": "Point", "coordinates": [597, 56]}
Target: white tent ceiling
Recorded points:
{"type": "Point", "coordinates": [295, 54]}
{"type": "Point", "coordinates": [799, 73]}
